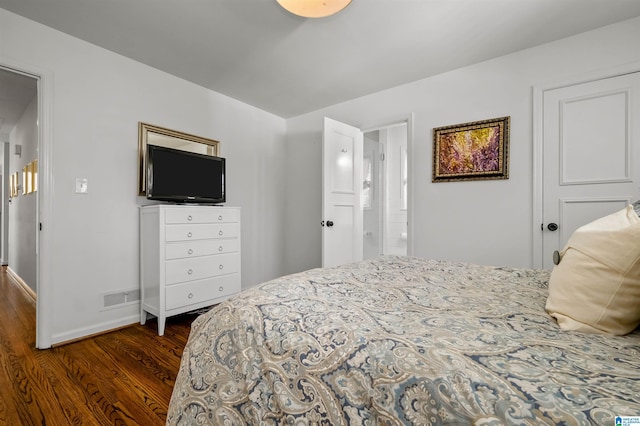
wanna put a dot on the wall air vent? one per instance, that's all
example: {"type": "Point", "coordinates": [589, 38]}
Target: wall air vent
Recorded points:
{"type": "Point", "coordinates": [110, 300]}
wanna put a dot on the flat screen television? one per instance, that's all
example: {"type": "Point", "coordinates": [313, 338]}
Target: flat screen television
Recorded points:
{"type": "Point", "coordinates": [185, 177]}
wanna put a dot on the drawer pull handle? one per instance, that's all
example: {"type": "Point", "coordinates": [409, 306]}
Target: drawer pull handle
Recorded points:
{"type": "Point", "coordinates": [221, 288]}
{"type": "Point", "coordinates": [190, 271]}
{"type": "Point", "coordinates": [220, 248]}
{"type": "Point", "coordinates": [220, 232]}
{"type": "Point", "coordinates": [190, 296]}
{"type": "Point", "coordinates": [190, 251]}
{"type": "Point", "coordinates": [221, 267]}
{"type": "Point", "coordinates": [220, 217]}
{"type": "Point", "coordinates": [189, 234]}
{"type": "Point", "coordinates": [189, 218]}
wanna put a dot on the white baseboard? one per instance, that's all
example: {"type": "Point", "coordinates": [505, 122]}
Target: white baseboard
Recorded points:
{"type": "Point", "coordinates": [24, 285]}
{"type": "Point", "coordinates": [79, 333]}
{"type": "Point", "coordinates": [87, 332]}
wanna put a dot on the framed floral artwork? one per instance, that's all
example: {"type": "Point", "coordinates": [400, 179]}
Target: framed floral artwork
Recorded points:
{"type": "Point", "coordinates": [472, 151]}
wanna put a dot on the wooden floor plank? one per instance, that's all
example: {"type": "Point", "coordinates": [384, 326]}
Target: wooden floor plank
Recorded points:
{"type": "Point", "coordinates": [68, 394]}
{"type": "Point", "coordinates": [121, 378]}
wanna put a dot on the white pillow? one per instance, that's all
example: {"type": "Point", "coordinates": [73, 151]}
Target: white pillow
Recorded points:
{"type": "Point", "coordinates": [596, 286]}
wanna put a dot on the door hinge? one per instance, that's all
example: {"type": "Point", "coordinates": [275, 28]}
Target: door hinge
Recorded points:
{"type": "Point", "coordinates": [40, 225]}
{"type": "Point", "coordinates": [382, 156]}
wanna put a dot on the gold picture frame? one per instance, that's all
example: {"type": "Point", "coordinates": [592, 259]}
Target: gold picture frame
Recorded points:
{"type": "Point", "coordinates": [161, 136]}
{"type": "Point", "coordinates": [13, 185]}
{"type": "Point", "coordinates": [24, 180]}
{"type": "Point", "coordinates": [29, 181]}
{"type": "Point", "coordinates": [29, 178]}
{"type": "Point", "coordinates": [34, 171]}
{"type": "Point", "coordinates": [477, 150]}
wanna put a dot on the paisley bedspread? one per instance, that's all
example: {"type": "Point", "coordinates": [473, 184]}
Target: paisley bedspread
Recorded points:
{"type": "Point", "coordinates": [401, 341]}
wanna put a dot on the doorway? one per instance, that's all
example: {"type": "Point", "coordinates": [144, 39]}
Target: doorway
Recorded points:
{"type": "Point", "coordinates": [375, 183]}
{"type": "Point", "coordinates": [19, 129]}
{"type": "Point", "coordinates": [39, 234]}
{"type": "Point", "coordinates": [384, 191]}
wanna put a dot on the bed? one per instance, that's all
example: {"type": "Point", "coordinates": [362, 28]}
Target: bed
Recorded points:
{"type": "Point", "coordinates": [401, 341]}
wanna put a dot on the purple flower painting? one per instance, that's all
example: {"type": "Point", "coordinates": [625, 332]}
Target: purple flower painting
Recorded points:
{"type": "Point", "coordinates": [471, 151]}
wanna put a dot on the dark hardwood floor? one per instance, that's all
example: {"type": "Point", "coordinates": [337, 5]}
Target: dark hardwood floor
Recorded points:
{"type": "Point", "coordinates": [120, 378]}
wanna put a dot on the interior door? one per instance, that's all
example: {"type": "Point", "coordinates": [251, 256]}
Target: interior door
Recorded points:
{"type": "Point", "coordinates": [591, 155]}
{"type": "Point", "coordinates": [342, 158]}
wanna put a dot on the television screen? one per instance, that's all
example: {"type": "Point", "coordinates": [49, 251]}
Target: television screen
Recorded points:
{"type": "Point", "coordinates": [184, 177]}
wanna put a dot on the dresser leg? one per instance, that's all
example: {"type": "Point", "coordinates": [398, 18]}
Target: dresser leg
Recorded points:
{"type": "Point", "coordinates": [161, 322]}
{"type": "Point", "coordinates": [143, 317]}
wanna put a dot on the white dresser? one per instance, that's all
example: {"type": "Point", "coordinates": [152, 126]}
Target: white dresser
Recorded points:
{"type": "Point", "coordinates": [189, 258]}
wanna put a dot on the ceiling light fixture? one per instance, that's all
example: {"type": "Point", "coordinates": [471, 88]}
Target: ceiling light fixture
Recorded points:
{"type": "Point", "coordinates": [314, 8]}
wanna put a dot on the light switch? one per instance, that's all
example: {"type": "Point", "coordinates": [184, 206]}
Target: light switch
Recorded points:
{"type": "Point", "coordinates": [81, 185]}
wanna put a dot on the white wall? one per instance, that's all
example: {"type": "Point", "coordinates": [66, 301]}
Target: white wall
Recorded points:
{"type": "Point", "coordinates": [487, 222]}
{"type": "Point", "coordinates": [97, 99]}
{"type": "Point", "coordinates": [22, 209]}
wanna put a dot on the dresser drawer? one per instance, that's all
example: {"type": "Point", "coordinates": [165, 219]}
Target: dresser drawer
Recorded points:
{"type": "Point", "coordinates": [200, 231]}
{"type": "Point", "coordinates": [178, 296]}
{"type": "Point", "coordinates": [196, 268]}
{"type": "Point", "coordinates": [200, 248]}
{"type": "Point", "coordinates": [201, 215]}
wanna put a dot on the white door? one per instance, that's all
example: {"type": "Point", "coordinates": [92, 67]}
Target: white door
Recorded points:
{"type": "Point", "coordinates": [591, 155]}
{"type": "Point", "coordinates": [342, 155]}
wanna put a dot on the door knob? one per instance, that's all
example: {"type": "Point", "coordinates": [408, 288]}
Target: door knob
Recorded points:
{"type": "Point", "coordinates": [552, 227]}
{"type": "Point", "coordinates": [329, 223]}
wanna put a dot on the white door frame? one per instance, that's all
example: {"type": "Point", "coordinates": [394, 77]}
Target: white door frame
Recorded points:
{"type": "Point", "coordinates": [44, 204]}
{"type": "Point", "coordinates": [538, 172]}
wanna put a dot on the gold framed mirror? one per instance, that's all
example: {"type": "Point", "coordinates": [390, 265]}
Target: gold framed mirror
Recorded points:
{"type": "Point", "coordinates": [161, 136]}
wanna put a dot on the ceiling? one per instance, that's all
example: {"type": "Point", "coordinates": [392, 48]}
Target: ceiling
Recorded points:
{"type": "Point", "coordinates": [256, 52]}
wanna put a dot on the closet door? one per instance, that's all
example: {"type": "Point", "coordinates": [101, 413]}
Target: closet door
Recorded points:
{"type": "Point", "coordinates": [591, 155]}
